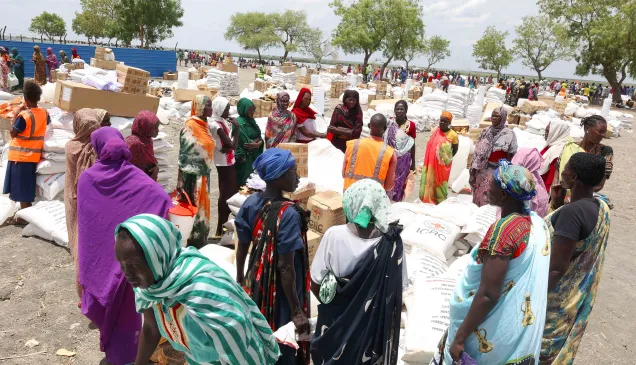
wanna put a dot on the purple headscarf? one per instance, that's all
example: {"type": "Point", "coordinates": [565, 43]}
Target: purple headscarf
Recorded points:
{"type": "Point", "coordinates": [108, 193]}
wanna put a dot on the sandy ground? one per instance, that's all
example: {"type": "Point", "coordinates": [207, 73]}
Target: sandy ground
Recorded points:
{"type": "Point", "coordinates": [38, 300]}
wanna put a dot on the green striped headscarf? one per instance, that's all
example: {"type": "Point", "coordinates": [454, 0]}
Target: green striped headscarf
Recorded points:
{"type": "Point", "coordinates": [216, 302]}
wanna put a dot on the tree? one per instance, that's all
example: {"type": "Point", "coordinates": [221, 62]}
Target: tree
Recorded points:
{"type": "Point", "coordinates": [49, 25]}
{"type": "Point", "coordinates": [291, 28]}
{"type": "Point", "coordinates": [318, 47]}
{"type": "Point", "coordinates": [491, 52]}
{"type": "Point", "coordinates": [150, 21]}
{"type": "Point", "coordinates": [435, 50]}
{"type": "Point", "coordinates": [98, 19]}
{"type": "Point", "coordinates": [413, 51]}
{"type": "Point", "coordinates": [541, 41]}
{"type": "Point", "coordinates": [605, 32]}
{"type": "Point", "coordinates": [403, 19]}
{"type": "Point", "coordinates": [252, 30]}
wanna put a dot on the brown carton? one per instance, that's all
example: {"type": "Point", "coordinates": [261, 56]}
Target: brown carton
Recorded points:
{"type": "Point", "coordinates": [185, 95]}
{"type": "Point", "coordinates": [300, 151]}
{"type": "Point", "coordinates": [301, 196]}
{"type": "Point", "coordinates": [262, 85]}
{"type": "Point", "coordinates": [313, 242]}
{"type": "Point", "coordinates": [326, 211]}
{"type": "Point", "coordinates": [106, 65]}
{"type": "Point", "coordinates": [171, 76]}
{"type": "Point", "coordinates": [227, 67]}
{"type": "Point", "coordinates": [287, 69]}
{"type": "Point", "coordinates": [194, 75]}
{"type": "Point", "coordinates": [531, 107]}
{"type": "Point", "coordinates": [71, 96]}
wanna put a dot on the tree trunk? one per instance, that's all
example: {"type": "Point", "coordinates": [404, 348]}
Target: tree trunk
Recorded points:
{"type": "Point", "coordinates": [540, 77]}
{"type": "Point", "coordinates": [498, 74]}
{"type": "Point", "coordinates": [384, 66]}
{"type": "Point", "coordinates": [41, 39]}
{"type": "Point", "coordinates": [407, 65]}
{"type": "Point", "coordinates": [365, 63]}
{"type": "Point", "coordinates": [141, 35]}
{"type": "Point", "coordinates": [259, 55]}
{"type": "Point", "coordinates": [616, 85]}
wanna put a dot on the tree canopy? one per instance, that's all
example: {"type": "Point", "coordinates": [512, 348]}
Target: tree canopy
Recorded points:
{"type": "Point", "coordinates": [49, 25]}
{"type": "Point", "coordinates": [317, 46]}
{"type": "Point", "coordinates": [491, 52]}
{"type": "Point", "coordinates": [291, 28]}
{"type": "Point", "coordinates": [403, 19]}
{"type": "Point", "coordinates": [98, 19]}
{"type": "Point", "coordinates": [435, 50]}
{"type": "Point", "coordinates": [253, 31]}
{"type": "Point", "coordinates": [541, 41]}
{"type": "Point", "coordinates": [604, 31]}
{"type": "Point", "coordinates": [150, 21]}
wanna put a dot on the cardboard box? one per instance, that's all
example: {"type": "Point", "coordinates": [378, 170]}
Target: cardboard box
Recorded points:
{"type": "Point", "coordinates": [287, 69]}
{"type": "Point", "coordinates": [262, 85]}
{"type": "Point", "coordinates": [371, 98]}
{"type": "Point", "coordinates": [313, 242]}
{"type": "Point", "coordinates": [227, 67]}
{"type": "Point", "coordinates": [300, 151]}
{"type": "Point", "coordinates": [335, 71]}
{"type": "Point", "coordinates": [101, 52]}
{"type": "Point", "coordinates": [72, 96]}
{"type": "Point", "coordinates": [560, 107]}
{"type": "Point", "coordinates": [263, 107]}
{"type": "Point", "coordinates": [61, 76]}
{"type": "Point", "coordinates": [301, 196]}
{"type": "Point", "coordinates": [300, 86]}
{"type": "Point", "coordinates": [185, 95]}
{"type": "Point", "coordinates": [135, 80]}
{"type": "Point", "coordinates": [531, 107]}
{"type": "Point", "coordinates": [326, 211]}
{"type": "Point", "coordinates": [106, 65]}
{"type": "Point", "coordinates": [74, 66]}
{"type": "Point", "coordinates": [194, 75]}
{"type": "Point", "coordinates": [311, 71]}
{"type": "Point", "coordinates": [172, 76]}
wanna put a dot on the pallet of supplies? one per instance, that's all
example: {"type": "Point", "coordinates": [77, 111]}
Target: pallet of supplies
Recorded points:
{"type": "Point", "coordinates": [135, 80]}
{"type": "Point", "coordinates": [104, 54]}
{"type": "Point", "coordinates": [103, 64]}
{"type": "Point", "coordinates": [262, 86]}
{"type": "Point", "coordinates": [335, 71]}
{"type": "Point", "coordinates": [338, 88]}
{"type": "Point", "coordinates": [531, 107]}
{"type": "Point", "coordinates": [326, 211]}
{"type": "Point", "coordinates": [194, 75]}
{"type": "Point", "coordinates": [72, 96]}
{"type": "Point", "coordinates": [227, 67]}
{"type": "Point", "coordinates": [300, 151]}
{"type": "Point", "coordinates": [263, 108]}
{"type": "Point", "coordinates": [288, 69]}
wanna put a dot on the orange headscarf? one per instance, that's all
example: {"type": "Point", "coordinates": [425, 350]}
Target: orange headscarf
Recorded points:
{"type": "Point", "coordinates": [447, 115]}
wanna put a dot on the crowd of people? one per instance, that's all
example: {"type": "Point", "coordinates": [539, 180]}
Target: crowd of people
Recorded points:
{"type": "Point", "coordinates": [526, 294]}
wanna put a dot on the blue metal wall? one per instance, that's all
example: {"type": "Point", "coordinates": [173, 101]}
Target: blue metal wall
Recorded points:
{"type": "Point", "coordinates": [156, 62]}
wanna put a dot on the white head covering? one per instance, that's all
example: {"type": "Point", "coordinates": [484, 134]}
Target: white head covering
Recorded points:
{"type": "Point", "coordinates": [218, 107]}
{"type": "Point", "coordinates": [557, 138]}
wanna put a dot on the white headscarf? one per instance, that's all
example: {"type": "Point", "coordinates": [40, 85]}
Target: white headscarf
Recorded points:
{"type": "Point", "coordinates": [557, 138]}
{"type": "Point", "coordinates": [218, 107]}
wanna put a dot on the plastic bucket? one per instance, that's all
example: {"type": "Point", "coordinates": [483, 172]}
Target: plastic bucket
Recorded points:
{"type": "Point", "coordinates": [182, 215]}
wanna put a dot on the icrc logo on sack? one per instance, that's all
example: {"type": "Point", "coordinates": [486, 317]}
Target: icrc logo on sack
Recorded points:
{"type": "Point", "coordinates": [434, 228]}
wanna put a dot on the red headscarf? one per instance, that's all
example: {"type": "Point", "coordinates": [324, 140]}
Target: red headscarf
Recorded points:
{"type": "Point", "coordinates": [302, 114]}
{"type": "Point", "coordinates": [140, 142]}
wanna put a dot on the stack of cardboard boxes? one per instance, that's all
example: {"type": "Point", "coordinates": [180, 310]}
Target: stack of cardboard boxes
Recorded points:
{"type": "Point", "coordinates": [337, 88]}
{"type": "Point", "coordinates": [227, 65]}
{"type": "Point", "coordinates": [311, 71]}
{"type": "Point", "coordinates": [288, 67]}
{"type": "Point", "coordinates": [300, 151]}
{"type": "Point", "coordinates": [380, 90]}
{"type": "Point", "coordinates": [263, 108]}
{"type": "Point", "coordinates": [135, 80]}
{"type": "Point", "coordinates": [262, 86]}
{"type": "Point", "coordinates": [326, 211]}
{"type": "Point", "coordinates": [103, 59]}
{"type": "Point", "coordinates": [531, 107]}
{"type": "Point", "coordinates": [415, 93]}
{"type": "Point", "coordinates": [303, 82]}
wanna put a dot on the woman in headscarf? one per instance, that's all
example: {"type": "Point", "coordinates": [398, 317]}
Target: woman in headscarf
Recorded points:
{"type": "Point", "coordinates": [495, 143]}
{"type": "Point", "coordinates": [346, 121]}
{"type": "Point", "coordinates": [595, 128]}
{"type": "Point", "coordinates": [438, 159]}
{"type": "Point", "coordinates": [39, 65]}
{"type": "Point", "coordinates": [400, 135]}
{"type": "Point", "coordinates": [145, 127]}
{"type": "Point", "coordinates": [80, 155]}
{"type": "Point", "coordinates": [531, 160]}
{"type": "Point", "coordinates": [171, 283]}
{"type": "Point", "coordinates": [557, 134]}
{"type": "Point", "coordinates": [250, 142]}
{"type": "Point", "coordinates": [108, 193]}
{"type": "Point", "coordinates": [74, 54]}
{"type": "Point", "coordinates": [103, 117]}
{"type": "Point", "coordinates": [579, 232]}
{"type": "Point", "coordinates": [63, 57]}
{"type": "Point", "coordinates": [356, 264]}
{"type": "Point", "coordinates": [225, 145]}
{"type": "Point", "coordinates": [305, 118]}
{"type": "Point", "coordinates": [4, 70]}
{"type": "Point", "coordinates": [196, 159]}
{"type": "Point", "coordinates": [497, 312]}
{"type": "Point", "coordinates": [51, 62]}
{"type": "Point", "coordinates": [281, 123]}
{"type": "Point", "coordinates": [17, 62]}
{"type": "Point", "coordinates": [277, 277]}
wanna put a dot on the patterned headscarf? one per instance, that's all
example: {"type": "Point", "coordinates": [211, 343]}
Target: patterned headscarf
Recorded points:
{"type": "Point", "coordinates": [198, 105]}
{"type": "Point", "coordinates": [185, 274]}
{"type": "Point", "coordinates": [517, 182]}
{"type": "Point", "coordinates": [365, 202]}
{"type": "Point", "coordinates": [101, 113]}
{"type": "Point", "coordinates": [504, 117]}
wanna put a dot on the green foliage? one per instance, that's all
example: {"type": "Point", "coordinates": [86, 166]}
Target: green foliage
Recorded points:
{"type": "Point", "coordinates": [605, 34]}
{"type": "Point", "coordinates": [414, 50]}
{"type": "Point", "coordinates": [491, 52]}
{"type": "Point", "coordinates": [150, 21]}
{"type": "Point", "coordinates": [97, 19]}
{"type": "Point", "coordinates": [315, 45]}
{"type": "Point", "coordinates": [49, 25]}
{"type": "Point", "coordinates": [405, 28]}
{"type": "Point", "coordinates": [435, 50]}
{"type": "Point", "coordinates": [291, 28]}
{"type": "Point", "coordinates": [252, 30]}
{"type": "Point", "coordinates": [541, 41]}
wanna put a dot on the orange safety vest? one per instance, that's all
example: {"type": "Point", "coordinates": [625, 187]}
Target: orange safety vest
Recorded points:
{"type": "Point", "coordinates": [27, 146]}
{"type": "Point", "coordinates": [374, 156]}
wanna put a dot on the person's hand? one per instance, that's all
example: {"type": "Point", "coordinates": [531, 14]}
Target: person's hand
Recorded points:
{"type": "Point", "coordinates": [226, 150]}
{"type": "Point", "coordinates": [233, 121]}
{"type": "Point", "coordinates": [301, 323]}
{"type": "Point", "coordinates": [456, 350]}
{"type": "Point", "coordinates": [321, 135]}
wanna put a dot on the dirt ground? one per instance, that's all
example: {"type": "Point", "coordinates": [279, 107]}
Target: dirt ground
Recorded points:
{"type": "Point", "coordinates": [38, 300]}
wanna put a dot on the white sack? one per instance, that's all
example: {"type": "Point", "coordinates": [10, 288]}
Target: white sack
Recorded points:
{"type": "Point", "coordinates": [48, 167]}
{"type": "Point", "coordinates": [49, 217]}
{"type": "Point", "coordinates": [478, 225]}
{"type": "Point", "coordinates": [433, 235]}
{"type": "Point", "coordinates": [49, 186]}
{"type": "Point", "coordinates": [56, 139]}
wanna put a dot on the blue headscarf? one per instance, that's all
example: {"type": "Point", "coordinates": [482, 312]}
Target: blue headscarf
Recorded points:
{"type": "Point", "coordinates": [273, 163]}
{"type": "Point", "coordinates": [517, 182]}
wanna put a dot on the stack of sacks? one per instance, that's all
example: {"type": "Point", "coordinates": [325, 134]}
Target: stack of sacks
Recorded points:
{"type": "Point", "coordinates": [226, 82]}
{"type": "Point", "coordinates": [162, 148]}
{"type": "Point", "coordinates": [425, 118]}
{"type": "Point", "coordinates": [538, 124]}
{"type": "Point", "coordinates": [285, 78]}
{"type": "Point", "coordinates": [458, 101]}
{"type": "Point", "coordinates": [173, 111]}
{"type": "Point", "coordinates": [571, 108]}
{"type": "Point", "coordinates": [473, 115]}
{"type": "Point", "coordinates": [495, 95]}
{"type": "Point", "coordinates": [51, 169]}
{"type": "Point", "coordinates": [397, 92]}
{"type": "Point", "coordinates": [582, 112]}
{"type": "Point", "coordinates": [436, 100]}
{"type": "Point", "coordinates": [526, 139]}
{"type": "Point", "coordinates": [624, 119]}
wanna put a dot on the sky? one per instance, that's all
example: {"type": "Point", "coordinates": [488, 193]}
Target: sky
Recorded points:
{"type": "Point", "coordinates": [205, 21]}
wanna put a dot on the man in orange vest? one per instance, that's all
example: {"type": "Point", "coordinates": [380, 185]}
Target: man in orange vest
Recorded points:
{"type": "Point", "coordinates": [370, 158]}
{"type": "Point", "coordinates": [26, 147]}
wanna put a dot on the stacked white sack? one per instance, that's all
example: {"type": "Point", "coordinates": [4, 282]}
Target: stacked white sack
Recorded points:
{"type": "Point", "coordinates": [285, 78]}
{"type": "Point", "coordinates": [174, 112]}
{"type": "Point", "coordinates": [162, 149]}
{"type": "Point", "coordinates": [51, 170]}
{"type": "Point", "coordinates": [473, 115]}
{"type": "Point", "coordinates": [226, 82]}
{"type": "Point", "coordinates": [459, 99]}
{"type": "Point", "coordinates": [495, 95]}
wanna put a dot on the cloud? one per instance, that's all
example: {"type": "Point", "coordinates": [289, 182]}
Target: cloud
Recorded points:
{"type": "Point", "coordinates": [438, 6]}
{"type": "Point", "coordinates": [470, 4]}
{"type": "Point", "coordinates": [470, 21]}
